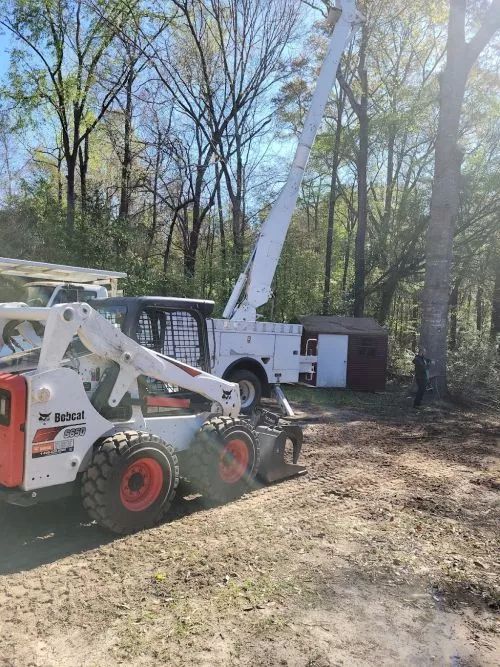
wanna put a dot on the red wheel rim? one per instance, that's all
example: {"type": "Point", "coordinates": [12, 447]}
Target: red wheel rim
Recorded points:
{"type": "Point", "coordinates": [141, 484]}
{"type": "Point", "coordinates": [233, 461]}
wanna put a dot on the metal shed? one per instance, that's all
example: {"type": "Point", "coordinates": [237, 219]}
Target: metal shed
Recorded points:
{"type": "Point", "coordinates": [352, 352]}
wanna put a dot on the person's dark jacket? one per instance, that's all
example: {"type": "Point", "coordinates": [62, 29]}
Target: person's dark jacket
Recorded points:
{"type": "Point", "coordinates": [421, 367]}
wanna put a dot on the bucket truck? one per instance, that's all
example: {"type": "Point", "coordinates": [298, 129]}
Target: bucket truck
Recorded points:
{"type": "Point", "coordinates": [260, 355]}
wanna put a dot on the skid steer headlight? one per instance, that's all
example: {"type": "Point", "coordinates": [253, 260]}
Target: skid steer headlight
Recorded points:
{"type": "Point", "coordinates": [4, 407]}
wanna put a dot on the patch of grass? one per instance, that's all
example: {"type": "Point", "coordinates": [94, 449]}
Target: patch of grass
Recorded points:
{"type": "Point", "coordinates": [274, 622]}
{"type": "Point", "coordinates": [129, 642]}
{"type": "Point", "coordinates": [252, 592]}
{"type": "Point", "coordinates": [340, 398]}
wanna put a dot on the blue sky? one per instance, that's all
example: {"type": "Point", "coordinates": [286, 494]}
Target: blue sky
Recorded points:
{"type": "Point", "coordinates": [4, 55]}
{"type": "Point", "coordinates": [276, 147]}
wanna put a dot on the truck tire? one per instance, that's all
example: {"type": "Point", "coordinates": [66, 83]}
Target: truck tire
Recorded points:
{"type": "Point", "coordinates": [131, 481]}
{"type": "Point", "coordinates": [224, 458]}
{"type": "Point", "coordinates": [250, 389]}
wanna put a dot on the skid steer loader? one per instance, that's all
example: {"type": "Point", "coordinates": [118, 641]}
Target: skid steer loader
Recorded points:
{"type": "Point", "coordinates": [117, 402]}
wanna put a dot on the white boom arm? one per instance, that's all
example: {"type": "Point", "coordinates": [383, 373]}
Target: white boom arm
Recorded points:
{"type": "Point", "coordinates": [259, 272]}
{"type": "Point", "coordinates": [101, 337]}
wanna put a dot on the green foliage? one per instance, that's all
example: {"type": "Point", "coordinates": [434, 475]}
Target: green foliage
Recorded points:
{"type": "Point", "coordinates": [173, 159]}
{"type": "Point", "coordinates": [474, 370]}
{"type": "Point", "coordinates": [400, 359]}
{"type": "Point", "coordinates": [31, 223]}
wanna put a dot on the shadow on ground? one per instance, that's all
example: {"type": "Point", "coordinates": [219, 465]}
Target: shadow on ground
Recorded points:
{"type": "Point", "coordinates": [33, 536]}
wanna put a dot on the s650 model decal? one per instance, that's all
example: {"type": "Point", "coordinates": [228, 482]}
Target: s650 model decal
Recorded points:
{"type": "Point", "coordinates": [75, 432]}
{"type": "Point", "coordinates": [50, 433]}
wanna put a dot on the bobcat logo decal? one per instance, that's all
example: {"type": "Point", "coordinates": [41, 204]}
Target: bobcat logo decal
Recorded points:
{"type": "Point", "coordinates": [226, 394]}
{"type": "Point", "coordinates": [44, 417]}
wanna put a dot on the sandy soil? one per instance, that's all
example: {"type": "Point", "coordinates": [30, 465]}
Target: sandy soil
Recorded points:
{"type": "Point", "coordinates": [386, 553]}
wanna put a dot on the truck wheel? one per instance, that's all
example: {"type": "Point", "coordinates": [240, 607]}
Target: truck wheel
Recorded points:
{"type": "Point", "coordinates": [250, 389]}
{"type": "Point", "coordinates": [131, 481]}
{"type": "Point", "coordinates": [224, 458]}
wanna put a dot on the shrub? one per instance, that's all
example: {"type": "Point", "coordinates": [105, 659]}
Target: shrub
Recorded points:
{"type": "Point", "coordinates": [474, 370]}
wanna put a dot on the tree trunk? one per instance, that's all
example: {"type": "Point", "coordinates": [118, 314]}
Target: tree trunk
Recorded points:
{"type": "Point", "coordinates": [386, 297]}
{"type": "Point", "coordinates": [479, 308]}
{"type": "Point", "coordinates": [190, 255]}
{"type": "Point", "coordinates": [331, 207]}
{"type": "Point", "coordinates": [6, 148]}
{"type": "Point", "coordinates": [168, 246]}
{"type": "Point", "coordinates": [444, 205]}
{"type": "Point", "coordinates": [415, 316]}
{"type": "Point", "coordinates": [446, 184]}
{"type": "Point", "coordinates": [191, 237]}
{"type": "Point", "coordinates": [495, 302]}
{"type": "Point", "coordinates": [226, 271]}
{"type": "Point", "coordinates": [237, 204]}
{"type": "Point", "coordinates": [83, 157]}
{"type": "Point", "coordinates": [154, 207]}
{"type": "Point", "coordinates": [70, 193]}
{"type": "Point", "coordinates": [127, 148]}
{"type": "Point", "coordinates": [362, 165]}
{"type": "Point", "coordinates": [389, 286]}
{"type": "Point", "coordinates": [59, 176]}
{"type": "Point", "coordinates": [347, 259]}
{"type": "Point", "coordinates": [454, 299]}
{"type": "Point", "coordinates": [220, 213]}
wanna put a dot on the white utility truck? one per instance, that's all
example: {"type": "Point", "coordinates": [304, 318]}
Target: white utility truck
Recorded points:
{"type": "Point", "coordinates": [260, 355]}
{"type": "Point", "coordinates": [257, 355]}
{"type": "Point", "coordinates": [50, 285]}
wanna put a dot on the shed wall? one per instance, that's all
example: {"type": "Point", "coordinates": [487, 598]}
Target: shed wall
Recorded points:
{"type": "Point", "coordinates": [367, 363]}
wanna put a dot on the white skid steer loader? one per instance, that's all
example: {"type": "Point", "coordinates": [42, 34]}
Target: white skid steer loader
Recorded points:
{"type": "Point", "coordinates": [116, 402]}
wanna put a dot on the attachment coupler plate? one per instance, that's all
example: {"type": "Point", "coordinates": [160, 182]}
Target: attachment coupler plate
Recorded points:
{"type": "Point", "coordinates": [273, 451]}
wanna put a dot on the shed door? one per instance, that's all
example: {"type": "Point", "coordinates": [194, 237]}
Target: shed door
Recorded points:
{"type": "Point", "coordinates": [332, 360]}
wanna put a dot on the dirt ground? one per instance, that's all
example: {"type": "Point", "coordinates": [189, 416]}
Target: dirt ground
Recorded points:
{"type": "Point", "coordinates": [386, 553]}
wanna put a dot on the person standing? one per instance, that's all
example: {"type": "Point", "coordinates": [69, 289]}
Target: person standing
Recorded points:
{"type": "Point", "coordinates": [421, 364]}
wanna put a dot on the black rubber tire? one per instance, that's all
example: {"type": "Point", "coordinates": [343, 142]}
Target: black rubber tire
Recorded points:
{"type": "Point", "coordinates": [205, 458]}
{"type": "Point", "coordinates": [101, 481]}
{"type": "Point", "coordinates": [242, 375]}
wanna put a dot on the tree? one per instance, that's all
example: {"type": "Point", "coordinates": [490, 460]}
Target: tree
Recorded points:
{"type": "Point", "coordinates": [218, 68]}
{"type": "Point", "coordinates": [460, 58]}
{"type": "Point", "coordinates": [63, 62]}
{"type": "Point", "coordinates": [336, 155]}
{"type": "Point", "coordinates": [360, 108]}
{"type": "Point", "coordinates": [9, 171]}
{"type": "Point", "coordinates": [495, 310]}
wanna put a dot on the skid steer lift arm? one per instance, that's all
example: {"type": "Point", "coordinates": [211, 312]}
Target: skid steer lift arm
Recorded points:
{"type": "Point", "coordinates": [258, 275]}
{"type": "Point", "coordinates": [101, 337]}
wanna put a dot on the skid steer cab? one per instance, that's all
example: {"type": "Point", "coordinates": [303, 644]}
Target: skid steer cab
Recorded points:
{"type": "Point", "coordinates": [117, 404]}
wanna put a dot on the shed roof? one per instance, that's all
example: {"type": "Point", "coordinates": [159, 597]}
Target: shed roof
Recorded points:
{"type": "Point", "coordinates": [333, 324]}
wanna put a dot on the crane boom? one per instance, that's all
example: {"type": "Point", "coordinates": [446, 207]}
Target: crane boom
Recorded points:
{"type": "Point", "coordinates": [259, 272]}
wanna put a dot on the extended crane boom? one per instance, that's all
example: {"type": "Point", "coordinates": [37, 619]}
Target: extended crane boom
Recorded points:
{"type": "Point", "coordinates": [259, 272]}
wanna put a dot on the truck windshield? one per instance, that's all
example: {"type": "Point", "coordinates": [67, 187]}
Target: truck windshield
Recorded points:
{"type": "Point", "coordinates": [38, 295]}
